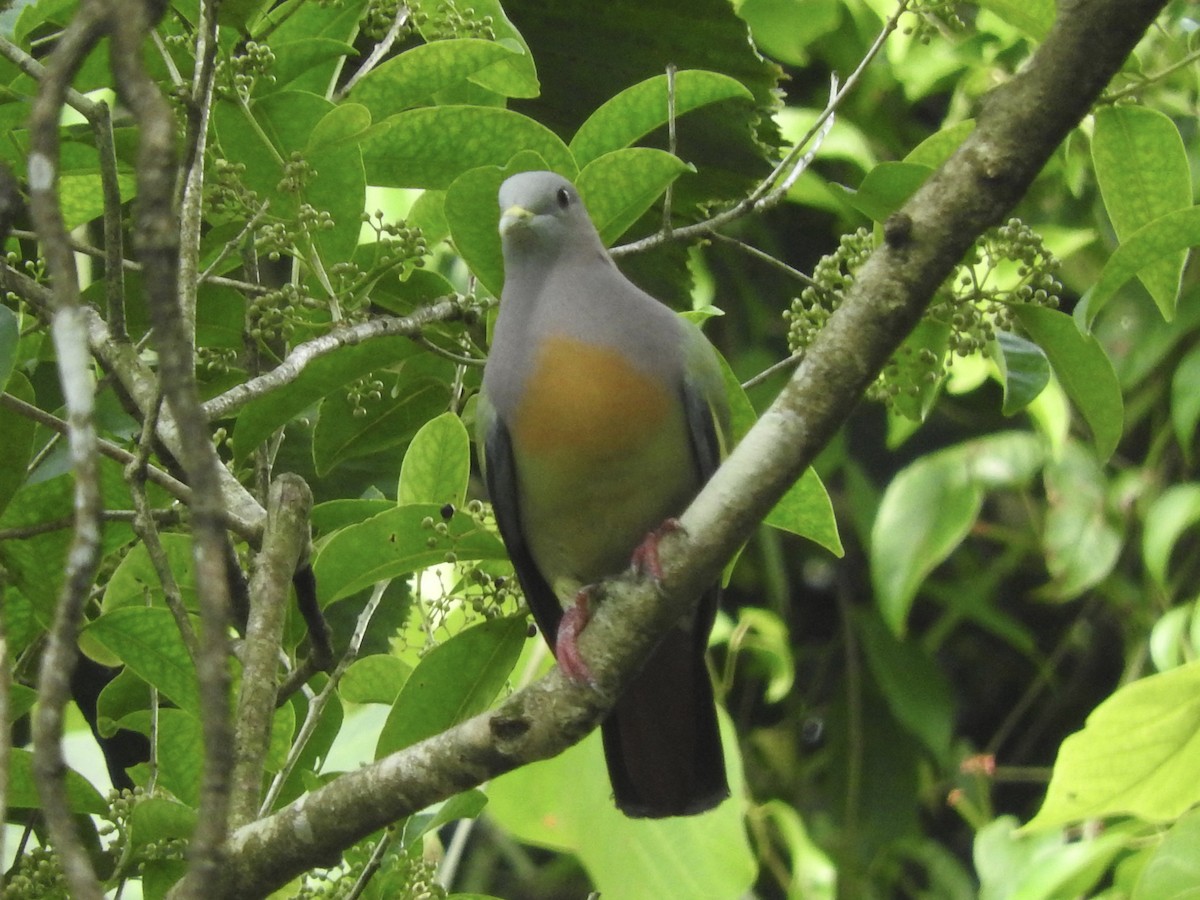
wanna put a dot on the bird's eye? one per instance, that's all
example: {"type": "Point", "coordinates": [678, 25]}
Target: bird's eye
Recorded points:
{"type": "Point", "coordinates": [564, 198]}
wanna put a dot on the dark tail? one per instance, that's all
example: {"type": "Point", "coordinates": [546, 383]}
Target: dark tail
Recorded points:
{"type": "Point", "coordinates": [661, 741]}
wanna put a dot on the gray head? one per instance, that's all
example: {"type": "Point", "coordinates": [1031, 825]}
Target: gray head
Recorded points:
{"type": "Point", "coordinates": [541, 214]}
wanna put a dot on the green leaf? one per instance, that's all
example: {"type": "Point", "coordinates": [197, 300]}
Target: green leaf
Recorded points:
{"type": "Point", "coordinates": [1034, 17]}
{"type": "Point", "coordinates": [1143, 173]}
{"type": "Point", "coordinates": [16, 438]}
{"type": "Point", "coordinates": [1169, 517]}
{"type": "Point", "coordinates": [1024, 368]}
{"type": "Point", "coordinates": [806, 510]}
{"type": "Point", "coordinates": [82, 196]}
{"type": "Point", "coordinates": [397, 543]}
{"type": "Point", "coordinates": [1018, 866]}
{"type": "Point", "coordinates": [886, 188]}
{"type": "Point", "coordinates": [340, 434]}
{"type": "Point", "coordinates": [940, 146]}
{"type": "Point", "coordinates": [180, 754]}
{"type": "Point", "coordinates": [22, 793]}
{"type": "Point", "coordinates": [931, 505]}
{"type": "Point", "coordinates": [619, 187]}
{"type": "Point", "coordinates": [914, 688]}
{"type": "Point", "coordinates": [473, 214]}
{"type": "Point", "coordinates": [785, 29]}
{"type": "Point", "coordinates": [929, 339]}
{"type": "Point", "coordinates": [454, 681]}
{"type": "Point", "coordinates": [516, 74]}
{"type": "Point", "coordinates": [636, 111]}
{"type": "Point", "coordinates": [1084, 370]}
{"type": "Point", "coordinates": [321, 377]}
{"type": "Point", "coordinates": [264, 136]}
{"type": "Point", "coordinates": [467, 805]}
{"type": "Point", "coordinates": [429, 148]}
{"type": "Point", "coordinates": [296, 59]}
{"type": "Point", "coordinates": [1080, 543]}
{"type": "Point", "coordinates": [1173, 871]}
{"type": "Point", "coordinates": [155, 819]}
{"type": "Point", "coordinates": [121, 697]}
{"type": "Point", "coordinates": [1138, 755]}
{"type": "Point", "coordinates": [10, 336]}
{"type": "Point", "coordinates": [331, 515]}
{"type": "Point", "coordinates": [437, 464]}
{"type": "Point", "coordinates": [925, 513]}
{"type": "Point", "coordinates": [565, 803]}
{"type": "Point", "coordinates": [135, 581]}
{"type": "Point", "coordinates": [763, 636]}
{"type": "Point", "coordinates": [1185, 398]}
{"type": "Point", "coordinates": [374, 679]}
{"type": "Point", "coordinates": [283, 730]}
{"type": "Point", "coordinates": [300, 22]}
{"type": "Point", "coordinates": [814, 876]}
{"type": "Point", "coordinates": [412, 78]}
{"type": "Point", "coordinates": [1160, 239]}
{"type": "Point", "coordinates": [146, 640]}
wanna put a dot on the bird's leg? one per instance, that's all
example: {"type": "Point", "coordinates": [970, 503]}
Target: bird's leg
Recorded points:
{"type": "Point", "coordinates": [566, 646]}
{"type": "Point", "coordinates": [644, 560]}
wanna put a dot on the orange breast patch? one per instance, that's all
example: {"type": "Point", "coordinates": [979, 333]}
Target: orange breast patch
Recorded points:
{"type": "Point", "coordinates": [585, 400]}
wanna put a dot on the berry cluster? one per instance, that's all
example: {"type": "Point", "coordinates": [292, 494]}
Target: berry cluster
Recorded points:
{"type": "Point", "coordinates": [1007, 267]}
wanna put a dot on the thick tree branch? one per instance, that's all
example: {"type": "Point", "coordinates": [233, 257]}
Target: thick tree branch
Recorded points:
{"type": "Point", "coordinates": [285, 543]}
{"type": "Point", "coordinates": [1019, 128]}
{"type": "Point", "coordinates": [157, 240]}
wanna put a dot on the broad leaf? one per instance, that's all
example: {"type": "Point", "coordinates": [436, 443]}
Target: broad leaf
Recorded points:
{"type": "Point", "coordinates": [1143, 173]}
{"type": "Point", "coordinates": [1138, 755]}
{"type": "Point", "coordinates": [457, 679]}
{"type": "Point", "coordinates": [437, 464]}
{"type": "Point", "coordinates": [397, 543]}
{"type": "Point", "coordinates": [638, 110]}
{"type": "Point", "coordinates": [565, 803]}
{"type": "Point", "coordinates": [1084, 371]}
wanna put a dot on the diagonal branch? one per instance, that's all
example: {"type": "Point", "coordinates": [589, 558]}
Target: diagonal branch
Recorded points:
{"type": "Point", "coordinates": [1019, 128]}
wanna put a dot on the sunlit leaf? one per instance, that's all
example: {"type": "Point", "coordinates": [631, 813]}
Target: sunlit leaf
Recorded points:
{"type": "Point", "coordinates": [1138, 754]}
{"type": "Point", "coordinates": [454, 681]}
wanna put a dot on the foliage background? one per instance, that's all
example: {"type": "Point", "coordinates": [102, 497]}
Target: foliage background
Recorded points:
{"type": "Point", "coordinates": [1002, 630]}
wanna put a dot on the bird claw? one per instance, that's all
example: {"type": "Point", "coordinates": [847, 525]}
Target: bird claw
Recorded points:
{"type": "Point", "coordinates": [566, 643]}
{"type": "Point", "coordinates": [645, 560]}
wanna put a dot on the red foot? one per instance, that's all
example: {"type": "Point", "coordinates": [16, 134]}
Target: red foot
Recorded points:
{"type": "Point", "coordinates": [566, 646]}
{"type": "Point", "coordinates": [645, 556]}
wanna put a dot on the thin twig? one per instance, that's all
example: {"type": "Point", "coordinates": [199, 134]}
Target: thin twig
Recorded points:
{"type": "Point", "coordinates": [25, 532]}
{"type": "Point", "coordinates": [192, 200]}
{"type": "Point", "coordinates": [378, 52]}
{"type": "Point", "coordinates": [770, 260]}
{"type": "Point", "coordinates": [458, 358]}
{"type": "Point", "coordinates": [784, 365]}
{"type": "Point", "coordinates": [444, 310]}
{"type": "Point", "coordinates": [373, 864]}
{"type": "Point", "coordinates": [165, 480]}
{"type": "Point", "coordinates": [228, 246]}
{"type": "Point", "coordinates": [132, 265]}
{"type": "Point", "coordinates": [774, 188]}
{"type": "Point", "coordinates": [144, 527]}
{"type": "Point", "coordinates": [114, 240]}
{"type": "Point", "coordinates": [75, 373]}
{"type": "Point", "coordinates": [1143, 83]}
{"type": "Point", "coordinates": [316, 706]}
